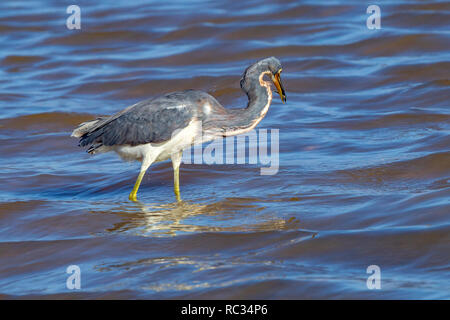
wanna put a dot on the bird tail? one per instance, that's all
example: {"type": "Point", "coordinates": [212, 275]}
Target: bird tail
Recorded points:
{"type": "Point", "coordinates": [84, 132]}
{"type": "Point", "coordinates": [84, 128]}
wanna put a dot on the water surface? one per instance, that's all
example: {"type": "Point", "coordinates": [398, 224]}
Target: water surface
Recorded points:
{"type": "Point", "coordinates": [363, 152]}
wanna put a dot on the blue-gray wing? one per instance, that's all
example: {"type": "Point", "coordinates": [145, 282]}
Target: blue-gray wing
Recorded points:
{"type": "Point", "coordinates": [149, 121]}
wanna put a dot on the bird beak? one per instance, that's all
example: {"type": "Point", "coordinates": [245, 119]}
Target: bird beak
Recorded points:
{"type": "Point", "coordinates": [277, 82]}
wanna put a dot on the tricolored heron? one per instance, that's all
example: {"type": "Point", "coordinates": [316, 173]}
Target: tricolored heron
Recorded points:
{"type": "Point", "coordinates": [161, 128]}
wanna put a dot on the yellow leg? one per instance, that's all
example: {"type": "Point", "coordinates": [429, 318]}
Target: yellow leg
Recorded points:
{"type": "Point", "coordinates": [176, 183]}
{"type": "Point", "coordinates": [176, 161]}
{"type": "Point", "coordinates": [133, 193]}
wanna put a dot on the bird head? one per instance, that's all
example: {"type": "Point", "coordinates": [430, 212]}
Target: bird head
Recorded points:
{"type": "Point", "coordinates": [269, 65]}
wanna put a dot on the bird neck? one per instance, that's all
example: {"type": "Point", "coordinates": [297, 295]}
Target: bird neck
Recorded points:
{"type": "Point", "coordinates": [259, 98]}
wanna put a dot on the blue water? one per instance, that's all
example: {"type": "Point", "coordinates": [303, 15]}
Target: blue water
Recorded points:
{"type": "Point", "coordinates": [364, 168]}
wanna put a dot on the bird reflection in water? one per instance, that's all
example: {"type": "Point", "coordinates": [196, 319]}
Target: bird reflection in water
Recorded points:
{"type": "Point", "coordinates": [175, 218]}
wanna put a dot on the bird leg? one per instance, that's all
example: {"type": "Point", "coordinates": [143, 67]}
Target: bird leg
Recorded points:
{"type": "Point", "coordinates": [147, 161]}
{"type": "Point", "coordinates": [176, 161]}
{"type": "Point", "coordinates": [176, 183]}
{"type": "Point", "coordinates": [133, 193]}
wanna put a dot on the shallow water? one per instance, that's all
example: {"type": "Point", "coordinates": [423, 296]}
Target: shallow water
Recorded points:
{"type": "Point", "coordinates": [364, 161]}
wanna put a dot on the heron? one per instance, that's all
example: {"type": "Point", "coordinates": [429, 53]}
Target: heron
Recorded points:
{"type": "Point", "coordinates": [160, 128]}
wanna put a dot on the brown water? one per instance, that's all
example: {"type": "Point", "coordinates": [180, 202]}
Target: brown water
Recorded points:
{"type": "Point", "coordinates": [364, 152]}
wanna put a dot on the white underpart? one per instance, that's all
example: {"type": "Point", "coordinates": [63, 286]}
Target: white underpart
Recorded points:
{"type": "Point", "coordinates": [155, 152]}
{"type": "Point", "coordinates": [263, 111]}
